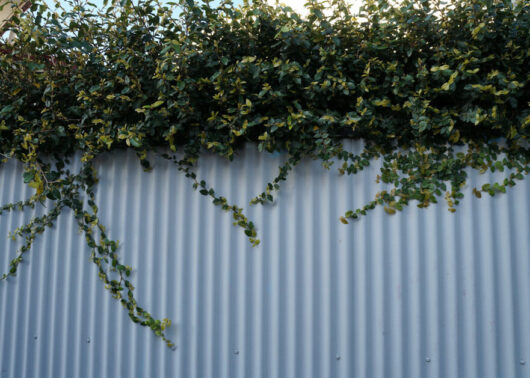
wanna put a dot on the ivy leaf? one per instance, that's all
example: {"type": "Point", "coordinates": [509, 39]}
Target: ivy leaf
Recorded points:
{"type": "Point", "coordinates": [135, 142]}
{"type": "Point", "coordinates": [390, 210]}
{"type": "Point", "coordinates": [155, 104]}
{"type": "Point", "coordinates": [29, 176]}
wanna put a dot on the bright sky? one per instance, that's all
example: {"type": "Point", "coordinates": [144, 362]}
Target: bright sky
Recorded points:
{"type": "Point", "coordinates": [298, 5]}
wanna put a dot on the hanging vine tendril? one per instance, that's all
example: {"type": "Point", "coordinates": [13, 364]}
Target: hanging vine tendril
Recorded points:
{"type": "Point", "coordinates": [433, 89]}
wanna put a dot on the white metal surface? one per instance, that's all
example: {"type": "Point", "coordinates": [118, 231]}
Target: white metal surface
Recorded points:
{"type": "Point", "coordinates": [424, 293]}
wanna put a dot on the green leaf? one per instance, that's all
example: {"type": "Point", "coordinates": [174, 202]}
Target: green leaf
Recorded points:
{"type": "Point", "coordinates": [390, 210]}
{"type": "Point", "coordinates": [29, 176]}
{"type": "Point", "coordinates": [156, 104]}
{"type": "Point", "coordinates": [135, 142]}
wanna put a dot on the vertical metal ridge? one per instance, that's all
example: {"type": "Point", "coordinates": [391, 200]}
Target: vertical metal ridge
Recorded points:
{"type": "Point", "coordinates": [521, 238]}
{"type": "Point", "coordinates": [103, 332]}
{"type": "Point", "coordinates": [424, 293]}
{"type": "Point", "coordinates": [18, 302]}
{"type": "Point", "coordinates": [6, 222]}
{"type": "Point", "coordinates": [309, 275]}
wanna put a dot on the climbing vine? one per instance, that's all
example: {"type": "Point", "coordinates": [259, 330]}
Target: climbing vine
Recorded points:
{"type": "Point", "coordinates": [433, 88]}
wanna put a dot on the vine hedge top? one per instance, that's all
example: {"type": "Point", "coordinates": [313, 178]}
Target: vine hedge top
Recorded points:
{"type": "Point", "coordinates": [413, 80]}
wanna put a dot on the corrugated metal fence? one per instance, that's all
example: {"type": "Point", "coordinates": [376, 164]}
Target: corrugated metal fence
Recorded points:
{"type": "Point", "coordinates": [424, 293]}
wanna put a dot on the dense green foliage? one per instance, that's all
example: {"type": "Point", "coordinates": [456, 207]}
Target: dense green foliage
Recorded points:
{"type": "Point", "coordinates": [432, 88]}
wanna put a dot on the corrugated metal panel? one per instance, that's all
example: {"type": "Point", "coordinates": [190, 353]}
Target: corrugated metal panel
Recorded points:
{"type": "Point", "coordinates": [424, 293]}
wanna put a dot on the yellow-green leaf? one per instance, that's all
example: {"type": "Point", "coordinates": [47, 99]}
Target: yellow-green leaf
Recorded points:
{"type": "Point", "coordinates": [156, 104]}
{"type": "Point", "coordinates": [390, 210]}
{"type": "Point", "coordinates": [477, 29]}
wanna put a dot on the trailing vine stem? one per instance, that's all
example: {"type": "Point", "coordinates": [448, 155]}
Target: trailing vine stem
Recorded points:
{"type": "Point", "coordinates": [111, 271]}
{"type": "Point", "coordinates": [185, 165]}
{"type": "Point", "coordinates": [29, 232]}
{"type": "Point", "coordinates": [434, 91]}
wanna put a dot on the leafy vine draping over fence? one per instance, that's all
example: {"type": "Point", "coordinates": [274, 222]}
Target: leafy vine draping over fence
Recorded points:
{"type": "Point", "coordinates": [433, 88]}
